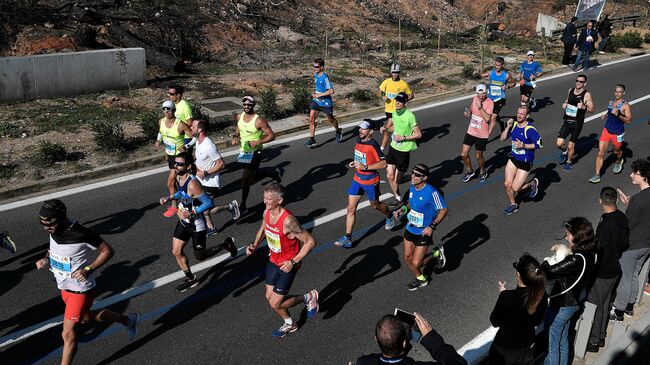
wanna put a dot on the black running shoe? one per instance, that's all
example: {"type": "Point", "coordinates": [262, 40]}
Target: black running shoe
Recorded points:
{"type": "Point", "coordinates": [187, 284]}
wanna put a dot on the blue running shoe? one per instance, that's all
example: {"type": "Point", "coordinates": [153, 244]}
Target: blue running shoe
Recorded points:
{"type": "Point", "coordinates": [568, 166]}
{"type": "Point", "coordinates": [132, 327]}
{"type": "Point", "coordinates": [284, 330]}
{"type": "Point", "coordinates": [311, 143]}
{"type": "Point", "coordinates": [343, 242]}
{"type": "Point", "coordinates": [563, 157]}
{"type": "Point", "coordinates": [511, 209]}
{"type": "Point", "coordinates": [312, 304]}
{"type": "Point", "coordinates": [534, 188]}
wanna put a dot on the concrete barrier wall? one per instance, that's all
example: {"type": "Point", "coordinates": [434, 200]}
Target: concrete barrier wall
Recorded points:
{"type": "Point", "coordinates": [65, 74]}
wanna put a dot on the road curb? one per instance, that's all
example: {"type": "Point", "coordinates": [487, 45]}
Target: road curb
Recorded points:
{"type": "Point", "coordinates": [157, 159]}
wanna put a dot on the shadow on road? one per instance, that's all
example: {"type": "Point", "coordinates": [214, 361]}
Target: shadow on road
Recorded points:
{"type": "Point", "coordinates": [371, 264]}
{"type": "Point", "coordinates": [461, 241]}
{"type": "Point", "coordinates": [119, 222]}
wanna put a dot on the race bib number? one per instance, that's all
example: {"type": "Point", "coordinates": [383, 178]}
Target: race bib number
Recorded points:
{"type": "Point", "coordinates": [61, 265]}
{"type": "Point", "coordinates": [245, 157]}
{"type": "Point", "coordinates": [391, 96]}
{"type": "Point", "coordinates": [571, 110]}
{"type": "Point", "coordinates": [273, 241]}
{"type": "Point", "coordinates": [392, 137]}
{"type": "Point", "coordinates": [170, 148]}
{"type": "Point", "coordinates": [360, 157]}
{"type": "Point", "coordinates": [415, 218]}
{"type": "Point", "coordinates": [619, 138]}
{"type": "Point", "coordinates": [517, 151]}
{"type": "Point", "coordinates": [533, 84]}
{"type": "Point", "coordinates": [495, 90]}
{"type": "Point", "coordinates": [476, 122]}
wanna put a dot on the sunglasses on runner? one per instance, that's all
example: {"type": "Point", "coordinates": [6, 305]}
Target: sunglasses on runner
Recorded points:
{"type": "Point", "coordinates": [581, 81]}
{"type": "Point", "coordinates": [172, 94]}
{"type": "Point", "coordinates": [180, 163]}
{"type": "Point", "coordinates": [167, 109]}
{"type": "Point", "coordinates": [316, 66]}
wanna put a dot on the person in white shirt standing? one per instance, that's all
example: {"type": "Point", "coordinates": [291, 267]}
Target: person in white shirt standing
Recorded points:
{"type": "Point", "coordinates": [208, 164]}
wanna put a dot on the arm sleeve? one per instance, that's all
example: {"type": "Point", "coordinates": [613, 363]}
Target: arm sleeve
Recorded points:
{"type": "Point", "coordinates": [441, 352]}
{"type": "Point", "coordinates": [206, 203]}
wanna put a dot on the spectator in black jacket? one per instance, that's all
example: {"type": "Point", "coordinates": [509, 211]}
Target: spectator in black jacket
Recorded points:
{"type": "Point", "coordinates": [569, 290]}
{"type": "Point", "coordinates": [638, 214]}
{"type": "Point", "coordinates": [569, 37]}
{"type": "Point", "coordinates": [612, 234]}
{"type": "Point", "coordinates": [517, 312]}
{"type": "Point", "coordinates": [392, 336]}
{"type": "Point", "coordinates": [586, 41]}
{"type": "Point", "coordinates": [605, 30]}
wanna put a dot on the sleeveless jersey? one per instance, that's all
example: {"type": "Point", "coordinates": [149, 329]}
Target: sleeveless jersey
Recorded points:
{"type": "Point", "coordinates": [172, 140]}
{"type": "Point", "coordinates": [572, 113]}
{"type": "Point", "coordinates": [281, 247]}
{"type": "Point", "coordinates": [495, 87]}
{"type": "Point", "coordinates": [196, 223]}
{"type": "Point", "coordinates": [248, 132]}
{"type": "Point", "coordinates": [614, 124]}
{"type": "Point", "coordinates": [367, 153]}
{"type": "Point", "coordinates": [424, 206]}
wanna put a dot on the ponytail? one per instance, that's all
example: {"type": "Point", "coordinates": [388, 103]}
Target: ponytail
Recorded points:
{"type": "Point", "coordinates": [534, 278]}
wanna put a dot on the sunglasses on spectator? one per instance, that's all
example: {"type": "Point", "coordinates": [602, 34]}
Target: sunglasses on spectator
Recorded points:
{"type": "Point", "coordinates": [417, 174]}
{"type": "Point", "coordinates": [47, 223]}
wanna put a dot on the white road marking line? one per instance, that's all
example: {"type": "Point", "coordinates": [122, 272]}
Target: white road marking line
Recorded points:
{"type": "Point", "coordinates": [151, 285]}
{"type": "Point", "coordinates": [121, 179]}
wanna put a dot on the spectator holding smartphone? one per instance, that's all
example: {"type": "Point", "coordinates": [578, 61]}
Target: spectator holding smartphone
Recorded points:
{"type": "Point", "coordinates": [392, 336]}
{"type": "Point", "coordinates": [517, 312]}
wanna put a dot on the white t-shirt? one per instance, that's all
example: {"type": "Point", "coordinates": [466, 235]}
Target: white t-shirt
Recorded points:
{"type": "Point", "coordinates": [207, 154]}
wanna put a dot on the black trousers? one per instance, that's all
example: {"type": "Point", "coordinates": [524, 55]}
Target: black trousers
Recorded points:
{"type": "Point", "coordinates": [600, 295]}
{"type": "Point", "coordinates": [568, 49]}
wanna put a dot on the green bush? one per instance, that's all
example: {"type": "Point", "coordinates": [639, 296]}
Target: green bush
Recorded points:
{"type": "Point", "coordinates": [646, 38]}
{"type": "Point", "coordinates": [48, 153]}
{"type": "Point", "coordinates": [614, 42]}
{"type": "Point", "coordinates": [10, 130]}
{"type": "Point", "coordinates": [267, 106]}
{"type": "Point", "coordinates": [632, 39]}
{"type": "Point", "coordinates": [109, 136]}
{"type": "Point", "coordinates": [148, 122]}
{"type": "Point", "coordinates": [300, 99]}
{"type": "Point", "coordinates": [7, 170]}
{"type": "Point", "coordinates": [362, 95]}
{"type": "Point", "coordinates": [469, 71]}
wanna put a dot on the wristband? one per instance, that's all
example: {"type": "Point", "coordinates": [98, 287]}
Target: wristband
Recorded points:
{"type": "Point", "coordinates": [404, 209]}
{"type": "Point", "coordinates": [89, 269]}
{"type": "Point", "coordinates": [293, 263]}
{"type": "Point", "coordinates": [433, 225]}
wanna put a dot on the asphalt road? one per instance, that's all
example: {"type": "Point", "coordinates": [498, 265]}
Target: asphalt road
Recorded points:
{"type": "Point", "coordinates": [227, 320]}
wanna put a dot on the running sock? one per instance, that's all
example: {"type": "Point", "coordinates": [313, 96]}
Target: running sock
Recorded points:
{"type": "Point", "coordinates": [288, 321]}
{"type": "Point", "coordinates": [189, 274]}
{"type": "Point", "coordinates": [422, 278]}
{"type": "Point", "coordinates": [349, 236]}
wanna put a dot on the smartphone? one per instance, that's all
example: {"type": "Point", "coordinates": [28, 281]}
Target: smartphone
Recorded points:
{"type": "Point", "coordinates": [409, 319]}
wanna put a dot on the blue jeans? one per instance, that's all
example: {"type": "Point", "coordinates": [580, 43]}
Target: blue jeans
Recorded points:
{"type": "Point", "coordinates": [558, 334]}
{"type": "Point", "coordinates": [582, 54]}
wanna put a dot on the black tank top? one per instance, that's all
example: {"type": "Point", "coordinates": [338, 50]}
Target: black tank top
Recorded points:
{"type": "Point", "coordinates": [573, 103]}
